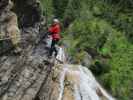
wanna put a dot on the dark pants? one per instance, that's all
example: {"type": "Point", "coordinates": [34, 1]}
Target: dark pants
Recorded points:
{"type": "Point", "coordinates": [53, 48]}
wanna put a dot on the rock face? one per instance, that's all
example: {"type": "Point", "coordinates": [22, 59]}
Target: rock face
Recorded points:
{"type": "Point", "coordinates": [28, 12]}
{"type": "Point", "coordinates": [22, 76]}
{"type": "Point", "coordinates": [9, 30]}
{"type": "Point", "coordinates": [30, 76]}
{"type": "Point", "coordinates": [20, 18]}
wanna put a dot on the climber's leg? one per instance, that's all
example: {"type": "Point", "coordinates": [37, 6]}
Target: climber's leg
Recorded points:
{"type": "Point", "coordinates": [53, 48]}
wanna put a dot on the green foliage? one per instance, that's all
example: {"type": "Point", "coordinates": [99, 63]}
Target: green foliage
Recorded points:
{"type": "Point", "coordinates": [47, 9]}
{"type": "Point", "coordinates": [106, 26]}
{"type": "Point", "coordinates": [106, 29]}
{"type": "Point", "coordinates": [85, 30]}
{"type": "Point", "coordinates": [99, 67]}
{"type": "Point", "coordinates": [59, 7]}
{"type": "Point", "coordinates": [71, 12]}
{"type": "Point", "coordinates": [120, 77]}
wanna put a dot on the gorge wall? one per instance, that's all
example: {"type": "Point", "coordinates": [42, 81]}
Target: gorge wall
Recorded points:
{"type": "Point", "coordinates": [30, 76]}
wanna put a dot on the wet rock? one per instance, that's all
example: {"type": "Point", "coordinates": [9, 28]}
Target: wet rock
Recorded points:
{"type": "Point", "coordinates": [72, 82]}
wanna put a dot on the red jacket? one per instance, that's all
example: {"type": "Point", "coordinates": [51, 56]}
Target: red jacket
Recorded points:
{"type": "Point", "coordinates": [55, 31]}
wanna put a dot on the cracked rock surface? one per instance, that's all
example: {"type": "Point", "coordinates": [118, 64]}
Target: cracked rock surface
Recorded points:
{"type": "Point", "coordinates": [21, 76]}
{"type": "Point", "coordinates": [30, 75]}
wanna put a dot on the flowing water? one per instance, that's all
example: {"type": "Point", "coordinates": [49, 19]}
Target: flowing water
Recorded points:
{"type": "Point", "coordinates": [83, 83]}
{"type": "Point", "coordinates": [78, 83]}
{"type": "Point", "coordinates": [62, 78]}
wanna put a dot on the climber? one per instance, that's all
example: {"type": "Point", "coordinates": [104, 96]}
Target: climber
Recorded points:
{"type": "Point", "coordinates": [9, 20]}
{"type": "Point", "coordinates": [54, 31]}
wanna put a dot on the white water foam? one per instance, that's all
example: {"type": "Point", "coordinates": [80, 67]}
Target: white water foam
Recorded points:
{"type": "Point", "coordinates": [62, 78]}
{"type": "Point", "coordinates": [87, 86]}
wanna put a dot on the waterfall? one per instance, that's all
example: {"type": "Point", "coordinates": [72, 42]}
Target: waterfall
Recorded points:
{"type": "Point", "coordinates": [62, 78]}
{"type": "Point", "coordinates": [83, 82]}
